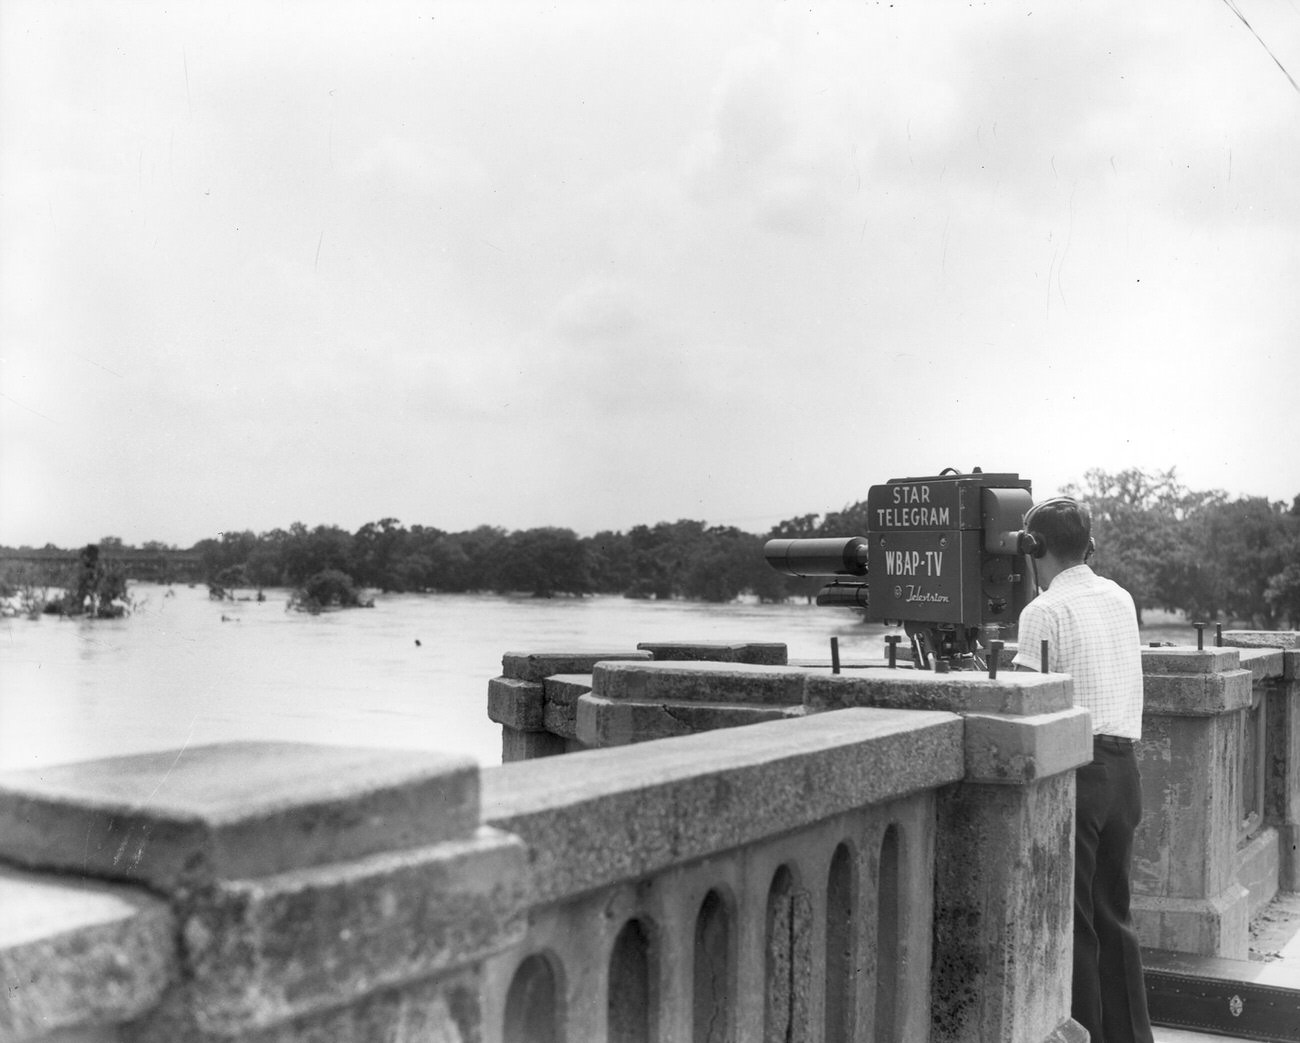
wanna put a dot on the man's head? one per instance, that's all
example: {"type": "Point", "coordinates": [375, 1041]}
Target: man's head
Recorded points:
{"type": "Point", "coordinates": [1062, 528]}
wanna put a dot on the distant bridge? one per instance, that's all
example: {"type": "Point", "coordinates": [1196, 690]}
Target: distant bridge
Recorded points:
{"type": "Point", "coordinates": [155, 565]}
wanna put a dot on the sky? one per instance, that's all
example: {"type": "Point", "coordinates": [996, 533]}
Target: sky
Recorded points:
{"type": "Point", "coordinates": [597, 265]}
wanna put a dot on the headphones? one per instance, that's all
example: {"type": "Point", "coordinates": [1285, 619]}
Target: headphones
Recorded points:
{"type": "Point", "coordinates": [1034, 544]}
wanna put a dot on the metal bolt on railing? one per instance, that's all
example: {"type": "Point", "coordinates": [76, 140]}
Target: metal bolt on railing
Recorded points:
{"type": "Point", "coordinates": [835, 655]}
{"type": "Point", "coordinates": [892, 641]}
{"type": "Point", "coordinates": [1042, 654]}
{"type": "Point", "coordinates": [1200, 636]}
{"type": "Point", "coordinates": [995, 656]}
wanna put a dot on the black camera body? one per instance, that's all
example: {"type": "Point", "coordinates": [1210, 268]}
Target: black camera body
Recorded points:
{"type": "Point", "coordinates": [942, 556]}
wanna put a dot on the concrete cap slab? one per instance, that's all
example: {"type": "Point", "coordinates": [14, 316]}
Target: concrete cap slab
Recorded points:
{"type": "Point", "coordinates": [1196, 695]}
{"type": "Point", "coordinates": [700, 682]}
{"type": "Point", "coordinates": [262, 952]}
{"type": "Point", "coordinates": [600, 816]}
{"type": "Point", "coordinates": [1262, 662]}
{"type": "Point", "coordinates": [1285, 639]}
{"type": "Point", "coordinates": [1013, 692]}
{"type": "Point", "coordinates": [516, 704]}
{"type": "Point", "coordinates": [560, 705]}
{"type": "Point", "coordinates": [185, 817]}
{"type": "Point", "coordinates": [567, 688]}
{"type": "Point", "coordinates": [536, 666]}
{"type": "Point", "coordinates": [1189, 660]}
{"type": "Point", "coordinates": [1013, 750]}
{"type": "Point", "coordinates": [758, 653]}
{"type": "Point", "coordinates": [78, 954]}
{"type": "Point", "coordinates": [600, 722]}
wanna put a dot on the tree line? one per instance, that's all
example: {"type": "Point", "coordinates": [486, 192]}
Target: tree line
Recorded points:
{"type": "Point", "coordinates": [1172, 548]}
{"type": "Point", "coordinates": [682, 559]}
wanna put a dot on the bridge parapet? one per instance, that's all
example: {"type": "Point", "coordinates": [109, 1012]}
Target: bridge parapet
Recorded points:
{"type": "Point", "coordinates": [778, 879]}
{"type": "Point", "coordinates": [838, 874]}
{"type": "Point", "coordinates": [1011, 815]}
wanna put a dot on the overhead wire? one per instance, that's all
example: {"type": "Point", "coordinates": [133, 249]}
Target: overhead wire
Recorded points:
{"type": "Point", "coordinates": [1232, 6]}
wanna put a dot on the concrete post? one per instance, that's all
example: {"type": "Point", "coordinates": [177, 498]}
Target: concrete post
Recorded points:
{"type": "Point", "coordinates": [319, 892]}
{"type": "Point", "coordinates": [533, 725]}
{"type": "Point", "coordinates": [1186, 893]}
{"type": "Point", "coordinates": [536, 699]}
{"type": "Point", "coordinates": [1004, 871]}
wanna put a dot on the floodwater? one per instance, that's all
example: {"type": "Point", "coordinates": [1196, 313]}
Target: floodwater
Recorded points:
{"type": "Point", "coordinates": [412, 672]}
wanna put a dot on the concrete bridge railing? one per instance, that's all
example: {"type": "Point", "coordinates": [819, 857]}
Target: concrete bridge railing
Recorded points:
{"type": "Point", "coordinates": [1220, 755]}
{"type": "Point", "coordinates": [743, 890]}
{"type": "Point", "coordinates": [1220, 761]}
{"type": "Point", "coordinates": [863, 870]}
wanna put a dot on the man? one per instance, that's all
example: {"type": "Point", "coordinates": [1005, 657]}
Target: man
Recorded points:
{"type": "Point", "coordinates": [1090, 626]}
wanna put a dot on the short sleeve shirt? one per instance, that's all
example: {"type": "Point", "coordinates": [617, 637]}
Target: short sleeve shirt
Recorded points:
{"type": "Point", "coordinates": [1090, 626]}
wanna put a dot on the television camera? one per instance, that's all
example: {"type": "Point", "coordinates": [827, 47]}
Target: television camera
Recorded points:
{"type": "Point", "coordinates": [943, 556]}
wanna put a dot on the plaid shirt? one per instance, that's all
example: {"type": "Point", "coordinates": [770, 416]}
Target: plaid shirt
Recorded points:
{"type": "Point", "coordinates": [1091, 630]}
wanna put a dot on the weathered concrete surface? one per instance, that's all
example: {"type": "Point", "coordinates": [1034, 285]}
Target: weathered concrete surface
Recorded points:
{"type": "Point", "coordinates": [560, 702]}
{"type": "Point", "coordinates": [757, 653]}
{"type": "Point", "coordinates": [183, 819]}
{"type": "Point", "coordinates": [601, 723]}
{"type": "Point", "coordinates": [303, 880]}
{"type": "Point", "coordinates": [1187, 894]}
{"type": "Point", "coordinates": [537, 666]}
{"type": "Point", "coordinates": [597, 817]}
{"type": "Point", "coordinates": [578, 933]}
{"type": "Point", "coordinates": [76, 954]}
{"type": "Point", "coordinates": [1189, 660]}
{"type": "Point", "coordinates": [1002, 748]}
{"type": "Point", "coordinates": [1262, 663]}
{"type": "Point", "coordinates": [1257, 869]}
{"type": "Point", "coordinates": [1218, 925]}
{"type": "Point", "coordinates": [1201, 694]}
{"type": "Point", "coordinates": [699, 682]}
{"type": "Point", "coordinates": [638, 702]}
{"type": "Point", "coordinates": [961, 692]}
{"type": "Point", "coordinates": [445, 1010]}
{"type": "Point", "coordinates": [1188, 834]}
{"type": "Point", "coordinates": [1004, 890]}
{"type": "Point", "coordinates": [517, 704]}
{"type": "Point", "coordinates": [269, 950]}
{"type": "Point", "coordinates": [533, 726]}
{"type": "Point", "coordinates": [1282, 774]}
{"type": "Point", "coordinates": [523, 746]}
{"type": "Point", "coordinates": [1287, 639]}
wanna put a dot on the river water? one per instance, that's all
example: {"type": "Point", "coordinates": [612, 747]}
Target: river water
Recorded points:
{"type": "Point", "coordinates": [184, 670]}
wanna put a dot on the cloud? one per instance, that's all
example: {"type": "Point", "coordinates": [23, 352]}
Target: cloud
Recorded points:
{"type": "Point", "coordinates": [600, 264]}
{"type": "Point", "coordinates": [776, 144]}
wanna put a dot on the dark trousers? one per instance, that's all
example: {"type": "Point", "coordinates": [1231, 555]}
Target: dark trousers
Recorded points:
{"type": "Point", "coordinates": [1109, 997]}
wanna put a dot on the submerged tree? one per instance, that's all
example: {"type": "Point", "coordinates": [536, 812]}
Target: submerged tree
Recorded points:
{"type": "Point", "coordinates": [329, 588]}
{"type": "Point", "coordinates": [96, 588]}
